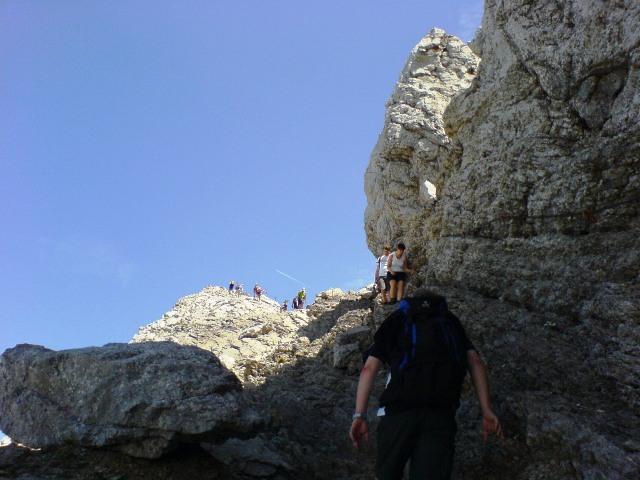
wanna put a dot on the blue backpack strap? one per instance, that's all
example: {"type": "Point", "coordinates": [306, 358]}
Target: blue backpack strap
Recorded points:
{"type": "Point", "coordinates": [409, 355]}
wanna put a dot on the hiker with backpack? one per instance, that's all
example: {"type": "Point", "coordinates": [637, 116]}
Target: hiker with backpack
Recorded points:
{"type": "Point", "coordinates": [380, 280]}
{"type": "Point", "coordinates": [258, 291]}
{"type": "Point", "coordinates": [428, 354]}
{"type": "Point", "coordinates": [302, 297]}
{"type": "Point", "coordinates": [397, 269]}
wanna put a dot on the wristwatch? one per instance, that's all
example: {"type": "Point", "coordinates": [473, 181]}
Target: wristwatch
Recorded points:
{"type": "Point", "coordinates": [363, 416]}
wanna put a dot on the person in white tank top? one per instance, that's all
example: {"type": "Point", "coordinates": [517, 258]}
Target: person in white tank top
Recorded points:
{"type": "Point", "coordinates": [397, 269]}
{"type": "Point", "coordinates": [381, 273]}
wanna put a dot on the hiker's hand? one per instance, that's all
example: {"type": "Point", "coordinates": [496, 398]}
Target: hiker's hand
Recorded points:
{"type": "Point", "coordinates": [359, 432]}
{"type": "Point", "coordinates": [491, 424]}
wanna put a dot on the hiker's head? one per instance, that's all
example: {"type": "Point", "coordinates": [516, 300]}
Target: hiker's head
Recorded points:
{"type": "Point", "coordinates": [423, 293]}
{"type": "Point", "coordinates": [401, 246]}
{"type": "Point", "coordinates": [386, 249]}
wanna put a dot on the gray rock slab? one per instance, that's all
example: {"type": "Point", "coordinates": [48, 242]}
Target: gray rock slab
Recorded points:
{"type": "Point", "coordinates": [140, 398]}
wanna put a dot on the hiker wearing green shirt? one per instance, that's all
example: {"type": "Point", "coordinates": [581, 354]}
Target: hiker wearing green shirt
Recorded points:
{"type": "Point", "coordinates": [302, 297]}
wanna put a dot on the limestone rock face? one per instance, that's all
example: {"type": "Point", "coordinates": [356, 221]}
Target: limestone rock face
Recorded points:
{"type": "Point", "coordinates": [240, 330]}
{"type": "Point", "coordinates": [139, 398]}
{"type": "Point", "coordinates": [534, 228]}
{"type": "Point", "coordinates": [297, 368]}
{"type": "Point", "coordinates": [405, 175]}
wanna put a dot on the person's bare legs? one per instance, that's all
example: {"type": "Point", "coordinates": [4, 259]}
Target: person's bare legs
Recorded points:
{"type": "Point", "coordinates": [400, 289]}
{"type": "Point", "coordinates": [392, 293]}
{"type": "Point", "coordinates": [383, 290]}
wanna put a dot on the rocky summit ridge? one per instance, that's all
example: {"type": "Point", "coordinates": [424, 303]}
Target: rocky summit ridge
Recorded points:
{"type": "Point", "coordinates": [239, 329]}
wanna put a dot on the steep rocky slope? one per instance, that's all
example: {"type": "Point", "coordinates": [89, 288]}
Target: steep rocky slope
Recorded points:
{"type": "Point", "coordinates": [527, 214]}
{"type": "Point", "coordinates": [302, 390]}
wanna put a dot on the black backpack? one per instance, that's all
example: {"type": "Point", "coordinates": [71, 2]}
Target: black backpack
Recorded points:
{"type": "Point", "coordinates": [427, 356]}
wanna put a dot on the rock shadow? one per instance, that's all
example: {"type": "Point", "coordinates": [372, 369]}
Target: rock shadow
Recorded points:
{"type": "Point", "coordinates": [326, 317]}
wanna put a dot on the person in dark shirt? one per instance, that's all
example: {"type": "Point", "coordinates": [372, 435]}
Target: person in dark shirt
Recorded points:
{"type": "Point", "coordinates": [419, 428]}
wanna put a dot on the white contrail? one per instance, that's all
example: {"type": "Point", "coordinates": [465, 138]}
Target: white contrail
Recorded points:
{"type": "Point", "coordinates": [289, 276]}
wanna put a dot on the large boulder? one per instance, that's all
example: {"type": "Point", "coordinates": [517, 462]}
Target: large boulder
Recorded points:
{"type": "Point", "coordinates": [142, 399]}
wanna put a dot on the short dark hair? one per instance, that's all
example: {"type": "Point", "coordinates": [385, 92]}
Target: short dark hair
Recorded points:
{"type": "Point", "coordinates": [423, 293]}
{"type": "Point", "coordinates": [401, 246]}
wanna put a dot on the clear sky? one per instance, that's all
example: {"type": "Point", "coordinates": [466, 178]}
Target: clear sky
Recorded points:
{"type": "Point", "coordinates": [151, 148]}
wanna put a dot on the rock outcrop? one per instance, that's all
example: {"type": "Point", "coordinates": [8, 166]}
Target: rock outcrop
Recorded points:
{"type": "Point", "coordinates": [141, 398]}
{"type": "Point", "coordinates": [240, 330]}
{"type": "Point", "coordinates": [296, 367]}
{"type": "Point", "coordinates": [407, 168]}
{"type": "Point", "coordinates": [301, 382]}
{"type": "Point", "coordinates": [532, 228]}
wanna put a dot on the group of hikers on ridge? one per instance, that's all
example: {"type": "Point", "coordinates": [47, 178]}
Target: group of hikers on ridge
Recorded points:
{"type": "Point", "coordinates": [298, 301]}
{"type": "Point", "coordinates": [428, 354]}
{"type": "Point", "coordinates": [238, 289]}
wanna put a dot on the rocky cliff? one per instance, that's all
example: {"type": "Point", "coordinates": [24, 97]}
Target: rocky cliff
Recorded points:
{"type": "Point", "coordinates": [518, 193]}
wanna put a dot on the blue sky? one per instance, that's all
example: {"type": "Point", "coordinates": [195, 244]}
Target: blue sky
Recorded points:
{"type": "Point", "coordinates": [151, 148]}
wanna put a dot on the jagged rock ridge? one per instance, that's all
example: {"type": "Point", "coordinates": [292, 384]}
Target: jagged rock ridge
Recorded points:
{"type": "Point", "coordinates": [240, 330]}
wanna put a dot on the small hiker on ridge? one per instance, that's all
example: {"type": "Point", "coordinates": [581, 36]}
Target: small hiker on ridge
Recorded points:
{"type": "Point", "coordinates": [302, 297]}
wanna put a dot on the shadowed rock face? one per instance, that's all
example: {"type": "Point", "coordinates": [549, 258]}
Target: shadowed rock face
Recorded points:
{"type": "Point", "coordinates": [533, 226]}
{"type": "Point", "coordinates": [305, 391]}
{"type": "Point", "coordinates": [139, 398]}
